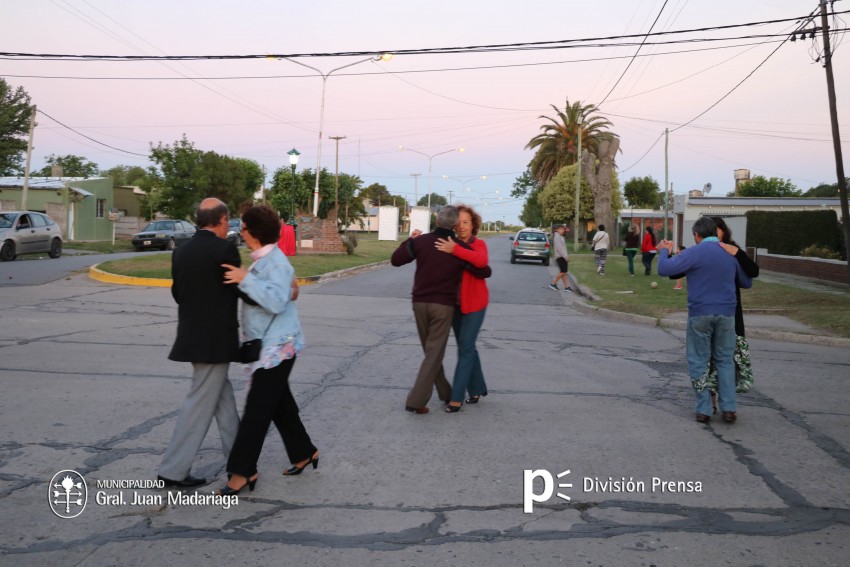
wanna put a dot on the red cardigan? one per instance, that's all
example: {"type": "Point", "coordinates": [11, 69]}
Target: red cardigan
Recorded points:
{"type": "Point", "coordinates": [474, 295]}
{"type": "Point", "coordinates": [647, 245]}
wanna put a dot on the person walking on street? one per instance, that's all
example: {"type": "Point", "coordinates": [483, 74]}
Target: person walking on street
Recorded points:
{"type": "Point", "coordinates": [562, 258]}
{"type": "Point", "coordinates": [648, 250]}
{"type": "Point", "coordinates": [273, 319]}
{"type": "Point", "coordinates": [712, 276]}
{"type": "Point", "coordinates": [208, 337]}
{"type": "Point", "coordinates": [601, 243]}
{"type": "Point", "coordinates": [435, 289]}
{"type": "Point", "coordinates": [632, 247]}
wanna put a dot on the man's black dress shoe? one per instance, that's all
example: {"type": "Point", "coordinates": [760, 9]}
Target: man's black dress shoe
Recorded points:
{"type": "Point", "coordinates": [185, 483]}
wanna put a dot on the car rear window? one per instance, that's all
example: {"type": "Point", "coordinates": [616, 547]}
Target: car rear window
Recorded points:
{"type": "Point", "coordinates": [532, 236]}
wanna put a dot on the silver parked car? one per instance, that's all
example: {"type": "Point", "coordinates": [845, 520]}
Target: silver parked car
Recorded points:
{"type": "Point", "coordinates": [28, 232]}
{"type": "Point", "coordinates": [163, 234]}
{"type": "Point", "coordinates": [530, 244]}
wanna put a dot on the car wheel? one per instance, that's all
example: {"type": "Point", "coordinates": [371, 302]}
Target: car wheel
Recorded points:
{"type": "Point", "coordinates": [55, 248]}
{"type": "Point", "coordinates": [513, 259]}
{"type": "Point", "coordinates": [7, 254]}
{"type": "Point", "coordinates": [171, 244]}
{"type": "Point", "coordinates": [546, 262]}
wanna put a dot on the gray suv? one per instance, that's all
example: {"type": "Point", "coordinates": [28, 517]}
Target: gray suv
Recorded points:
{"type": "Point", "coordinates": [530, 244]}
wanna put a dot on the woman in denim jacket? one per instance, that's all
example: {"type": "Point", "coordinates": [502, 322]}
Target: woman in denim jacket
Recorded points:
{"type": "Point", "coordinates": [270, 283]}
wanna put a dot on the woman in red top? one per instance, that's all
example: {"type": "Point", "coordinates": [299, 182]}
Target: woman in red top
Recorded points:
{"type": "Point", "coordinates": [647, 247]}
{"type": "Point", "coordinates": [469, 314]}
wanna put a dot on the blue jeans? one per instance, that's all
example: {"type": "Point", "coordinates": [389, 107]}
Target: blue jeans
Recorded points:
{"type": "Point", "coordinates": [468, 373]}
{"type": "Point", "coordinates": [707, 336]}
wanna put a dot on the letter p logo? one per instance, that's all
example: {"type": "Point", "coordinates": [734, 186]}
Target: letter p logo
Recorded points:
{"type": "Point", "coordinates": [529, 496]}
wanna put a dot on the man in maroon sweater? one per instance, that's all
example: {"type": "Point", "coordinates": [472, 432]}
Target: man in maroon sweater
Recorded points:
{"type": "Point", "coordinates": [435, 293]}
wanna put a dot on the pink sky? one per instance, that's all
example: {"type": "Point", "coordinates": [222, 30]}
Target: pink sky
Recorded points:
{"type": "Point", "coordinates": [775, 124]}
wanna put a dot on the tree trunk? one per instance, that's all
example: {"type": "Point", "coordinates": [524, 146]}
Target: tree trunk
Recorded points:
{"type": "Point", "coordinates": [597, 170]}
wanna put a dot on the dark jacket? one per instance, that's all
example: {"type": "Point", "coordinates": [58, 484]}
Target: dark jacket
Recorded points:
{"type": "Point", "coordinates": [207, 325]}
{"type": "Point", "coordinates": [438, 274]}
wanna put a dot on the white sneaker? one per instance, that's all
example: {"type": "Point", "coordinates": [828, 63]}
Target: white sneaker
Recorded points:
{"type": "Point", "coordinates": [568, 290]}
{"type": "Point", "coordinates": [553, 286]}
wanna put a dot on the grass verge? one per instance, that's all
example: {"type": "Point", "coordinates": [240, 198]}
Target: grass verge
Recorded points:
{"type": "Point", "coordinates": [368, 251]}
{"type": "Point", "coordinates": [104, 247]}
{"type": "Point", "coordinates": [620, 292]}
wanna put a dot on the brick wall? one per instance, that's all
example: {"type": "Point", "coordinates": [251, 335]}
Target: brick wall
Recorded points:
{"type": "Point", "coordinates": [323, 234]}
{"type": "Point", "coordinates": [830, 270]}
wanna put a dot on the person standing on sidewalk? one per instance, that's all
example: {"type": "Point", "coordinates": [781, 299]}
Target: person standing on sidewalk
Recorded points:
{"type": "Point", "coordinates": [562, 258]}
{"type": "Point", "coordinates": [632, 247]}
{"type": "Point", "coordinates": [208, 337]}
{"type": "Point", "coordinates": [601, 243]}
{"type": "Point", "coordinates": [712, 276]}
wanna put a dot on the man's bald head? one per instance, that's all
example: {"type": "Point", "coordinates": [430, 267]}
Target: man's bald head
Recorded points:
{"type": "Point", "coordinates": [211, 213]}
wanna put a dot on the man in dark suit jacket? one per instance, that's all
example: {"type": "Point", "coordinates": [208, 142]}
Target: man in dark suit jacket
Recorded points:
{"type": "Point", "coordinates": [208, 337]}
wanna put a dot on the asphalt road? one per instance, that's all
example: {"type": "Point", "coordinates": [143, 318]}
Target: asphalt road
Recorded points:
{"type": "Point", "coordinates": [87, 387]}
{"type": "Point", "coordinates": [37, 269]}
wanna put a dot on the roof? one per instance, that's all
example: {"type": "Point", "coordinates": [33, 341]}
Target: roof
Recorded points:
{"type": "Point", "coordinates": [43, 182]}
{"type": "Point", "coordinates": [766, 201]}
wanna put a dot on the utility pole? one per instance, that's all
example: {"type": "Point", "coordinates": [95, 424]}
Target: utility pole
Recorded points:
{"type": "Point", "coordinates": [836, 137]}
{"type": "Point", "coordinates": [415, 177]}
{"type": "Point", "coordinates": [263, 184]}
{"type": "Point", "coordinates": [450, 192]}
{"type": "Point", "coordinates": [666, 184]}
{"type": "Point", "coordinates": [29, 160]}
{"type": "Point", "coordinates": [336, 175]}
{"type": "Point", "coordinates": [578, 185]}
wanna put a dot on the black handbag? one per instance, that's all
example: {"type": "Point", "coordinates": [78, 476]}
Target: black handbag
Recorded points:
{"type": "Point", "coordinates": [249, 351]}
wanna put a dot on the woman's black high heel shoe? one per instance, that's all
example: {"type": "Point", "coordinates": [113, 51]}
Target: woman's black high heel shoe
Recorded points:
{"type": "Point", "coordinates": [295, 469]}
{"type": "Point", "coordinates": [228, 491]}
{"type": "Point", "coordinates": [453, 409]}
{"type": "Point", "coordinates": [474, 399]}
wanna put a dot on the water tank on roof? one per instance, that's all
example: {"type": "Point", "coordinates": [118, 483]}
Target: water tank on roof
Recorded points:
{"type": "Point", "coordinates": [742, 174]}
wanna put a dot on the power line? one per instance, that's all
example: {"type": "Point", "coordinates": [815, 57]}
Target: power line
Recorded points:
{"type": "Point", "coordinates": [557, 44]}
{"type": "Point", "coordinates": [632, 60]}
{"type": "Point", "coordinates": [40, 111]}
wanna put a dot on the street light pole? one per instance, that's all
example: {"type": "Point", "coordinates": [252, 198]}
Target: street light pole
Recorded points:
{"type": "Point", "coordinates": [336, 174]}
{"type": "Point", "coordinates": [430, 157]}
{"type": "Point", "coordinates": [293, 162]}
{"type": "Point", "coordinates": [382, 57]}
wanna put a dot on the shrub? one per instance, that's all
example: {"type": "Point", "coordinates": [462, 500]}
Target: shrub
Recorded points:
{"type": "Point", "coordinates": [820, 252]}
{"type": "Point", "coordinates": [350, 242]}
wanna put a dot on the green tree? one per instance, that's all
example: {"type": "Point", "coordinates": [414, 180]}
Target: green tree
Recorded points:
{"type": "Point", "coordinates": [760, 186]}
{"type": "Point", "coordinates": [436, 201]}
{"type": "Point", "coordinates": [178, 181]}
{"type": "Point", "coordinates": [72, 166]}
{"type": "Point", "coordinates": [532, 212]}
{"type": "Point", "coordinates": [126, 175]}
{"type": "Point", "coordinates": [377, 193]}
{"type": "Point", "coordinates": [230, 179]}
{"type": "Point", "coordinates": [524, 184]}
{"type": "Point", "coordinates": [289, 194]}
{"type": "Point", "coordinates": [558, 199]}
{"type": "Point", "coordinates": [642, 192]}
{"type": "Point", "coordinates": [825, 190]}
{"type": "Point", "coordinates": [557, 145]}
{"type": "Point", "coordinates": [15, 113]}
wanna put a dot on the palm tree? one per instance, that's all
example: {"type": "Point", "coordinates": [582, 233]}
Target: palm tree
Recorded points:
{"type": "Point", "coordinates": [557, 144]}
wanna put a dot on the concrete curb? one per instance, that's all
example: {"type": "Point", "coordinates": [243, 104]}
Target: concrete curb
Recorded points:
{"type": "Point", "coordinates": [97, 274]}
{"type": "Point", "coordinates": [752, 332]}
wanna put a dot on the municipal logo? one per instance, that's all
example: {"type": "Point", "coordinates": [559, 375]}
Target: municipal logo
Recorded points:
{"type": "Point", "coordinates": [67, 494]}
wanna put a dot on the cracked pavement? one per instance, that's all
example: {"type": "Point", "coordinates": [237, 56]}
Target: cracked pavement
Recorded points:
{"type": "Point", "coordinates": [87, 387]}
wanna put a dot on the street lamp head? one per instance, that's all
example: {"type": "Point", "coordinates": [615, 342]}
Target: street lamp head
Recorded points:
{"type": "Point", "coordinates": [461, 149]}
{"type": "Point", "coordinates": [293, 156]}
{"type": "Point", "coordinates": [384, 57]}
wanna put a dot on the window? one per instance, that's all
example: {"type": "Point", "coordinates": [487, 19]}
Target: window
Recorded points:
{"type": "Point", "coordinates": [101, 207]}
{"type": "Point", "coordinates": [38, 221]}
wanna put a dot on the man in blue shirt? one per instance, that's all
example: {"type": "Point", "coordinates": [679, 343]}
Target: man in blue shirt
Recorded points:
{"type": "Point", "coordinates": [713, 275]}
